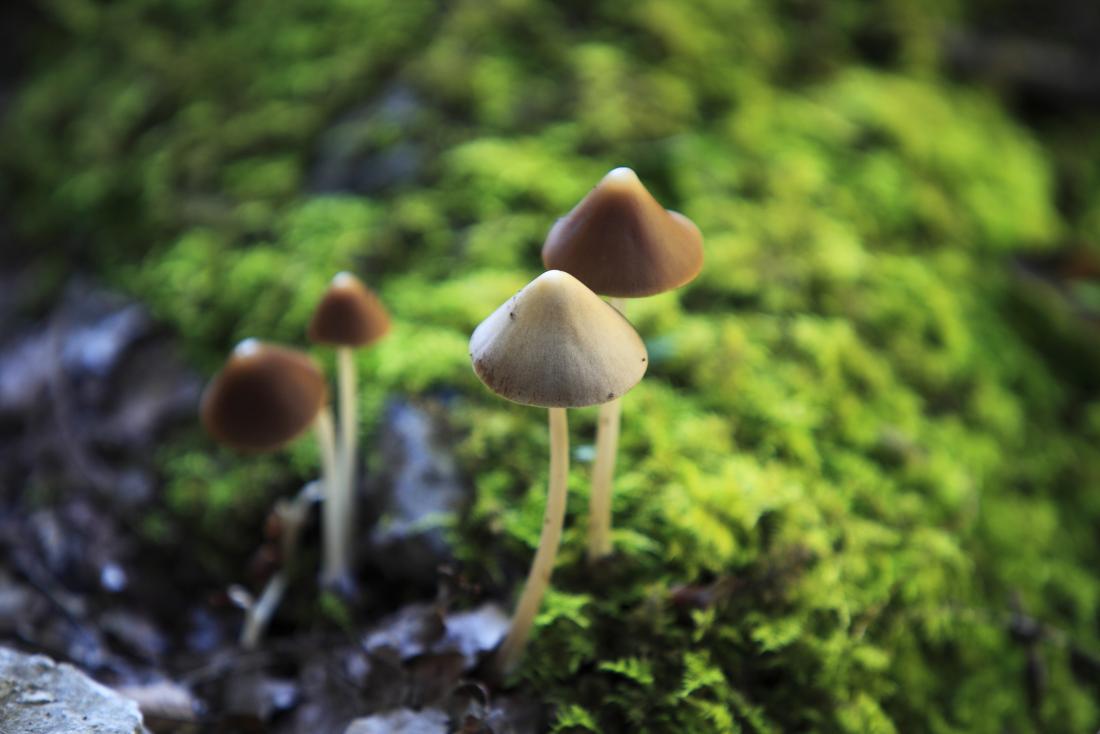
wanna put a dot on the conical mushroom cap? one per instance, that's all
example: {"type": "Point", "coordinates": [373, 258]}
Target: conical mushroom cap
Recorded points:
{"type": "Point", "coordinates": [620, 242]}
{"type": "Point", "coordinates": [556, 344]}
{"type": "Point", "coordinates": [263, 398]}
{"type": "Point", "coordinates": [349, 315]}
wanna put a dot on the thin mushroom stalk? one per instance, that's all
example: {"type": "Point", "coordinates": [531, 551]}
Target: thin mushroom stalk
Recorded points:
{"type": "Point", "coordinates": [620, 242]}
{"type": "Point", "coordinates": [348, 317]}
{"type": "Point", "coordinates": [259, 614]}
{"type": "Point", "coordinates": [334, 563]}
{"type": "Point", "coordinates": [538, 578]}
{"type": "Point", "coordinates": [603, 471]}
{"type": "Point", "coordinates": [349, 427]}
{"type": "Point", "coordinates": [603, 475]}
{"type": "Point", "coordinates": [292, 515]}
{"type": "Point", "coordinates": [262, 399]}
{"type": "Point", "coordinates": [554, 345]}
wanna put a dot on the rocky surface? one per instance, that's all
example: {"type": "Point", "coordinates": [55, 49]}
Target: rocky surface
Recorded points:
{"type": "Point", "coordinates": [418, 486]}
{"type": "Point", "coordinates": [87, 390]}
{"type": "Point", "coordinates": [362, 152]}
{"type": "Point", "coordinates": [86, 393]}
{"type": "Point", "coordinates": [402, 721]}
{"type": "Point", "coordinates": [39, 696]}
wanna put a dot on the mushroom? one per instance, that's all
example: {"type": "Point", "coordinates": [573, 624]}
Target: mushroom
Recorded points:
{"type": "Point", "coordinates": [290, 517]}
{"type": "Point", "coordinates": [620, 242]}
{"type": "Point", "coordinates": [349, 316]}
{"type": "Point", "coordinates": [266, 396]}
{"type": "Point", "coordinates": [557, 345]}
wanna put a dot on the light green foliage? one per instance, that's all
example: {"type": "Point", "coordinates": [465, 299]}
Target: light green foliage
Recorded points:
{"type": "Point", "coordinates": [862, 440]}
{"type": "Point", "coordinates": [209, 490]}
{"type": "Point", "coordinates": [573, 719]}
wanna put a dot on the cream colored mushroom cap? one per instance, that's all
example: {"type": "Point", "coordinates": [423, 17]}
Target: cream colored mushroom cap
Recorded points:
{"type": "Point", "coordinates": [556, 344]}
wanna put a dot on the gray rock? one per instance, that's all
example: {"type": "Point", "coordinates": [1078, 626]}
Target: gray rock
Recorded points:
{"type": "Point", "coordinates": [87, 392]}
{"type": "Point", "coordinates": [39, 696]}
{"type": "Point", "coordinates": [419, 485]}
{"type": "Point", "coordinates": [418, 629]}
{"type": "Point", "coordinates": [401, 721]}
{"type": "Point", "coordinates": [475, 632]}
{"type": "Point", "coordinates": [370, 149]}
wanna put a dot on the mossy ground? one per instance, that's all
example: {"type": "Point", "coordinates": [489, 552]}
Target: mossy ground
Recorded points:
{"type": "Point", "coordinates": [851, 465]}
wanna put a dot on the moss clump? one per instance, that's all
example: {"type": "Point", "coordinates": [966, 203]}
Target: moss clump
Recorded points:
{"type": "Point", "coordinates": [848, 459]}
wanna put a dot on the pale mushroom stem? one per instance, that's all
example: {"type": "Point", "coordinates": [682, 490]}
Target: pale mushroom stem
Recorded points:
{"type": "Point", "coordinates": [293, 515]}
{"type": "Point", "coordinates": [543, 565]}
{"type": "Point", "coordinates": [260, 613]}
{"type": "Point", "coordinates": [349, 427]}
{"type": "Point", "coordinates": [603, 471]}
{"type": "Point", "coordinates": [334, 554]}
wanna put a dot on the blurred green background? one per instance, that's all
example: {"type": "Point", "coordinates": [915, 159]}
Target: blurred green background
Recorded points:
{"type": "Point", "coordinates": [869, 430]}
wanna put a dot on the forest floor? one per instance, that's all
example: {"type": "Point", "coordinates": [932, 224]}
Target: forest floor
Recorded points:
{"type": "Point", "coordinates": [84, 399]}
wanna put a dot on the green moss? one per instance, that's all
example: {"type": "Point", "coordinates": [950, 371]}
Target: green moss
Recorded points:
{"type": "Point", "coordinates": [861, 436]}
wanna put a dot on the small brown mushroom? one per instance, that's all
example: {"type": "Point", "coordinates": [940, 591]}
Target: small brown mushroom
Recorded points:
{"type": "Point", "coordinates": [620, 242]}
{"type": "Point", "coordinates": [555, 344]}
{"type": "Point", "coordinates": [266, 396]}
{"type": "Point", "coordinates": [349, 316]}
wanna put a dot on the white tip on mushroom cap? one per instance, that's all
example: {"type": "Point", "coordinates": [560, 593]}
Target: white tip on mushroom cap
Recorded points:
{"type": "Point", "coordinates": [623, 175]}
{"type": "Point", "coordinates": [556, 344]}
{"type": "Point", "coordinates": [247, 347]}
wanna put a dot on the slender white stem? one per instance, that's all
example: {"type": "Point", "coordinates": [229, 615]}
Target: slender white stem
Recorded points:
{"type": "Point", "coordinates": [293, 515]}
{"type": "Point", "coordinates": [543, 566]}
{"type": "Point", "coordinates": [599, 501]}
{"type": "Point", "coordinates": [603, 472]}
{"type": "Point", "coordinates": [334, 554]}
{"type": "Point", "coordinates": [259, 614]}
{"type": "Point", "coordinates": [349, 427]}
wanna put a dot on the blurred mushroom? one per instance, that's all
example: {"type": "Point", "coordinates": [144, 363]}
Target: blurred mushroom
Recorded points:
{"type": "Point", "coordinates": [620, 242]}
{"type": "Point", "coordinates": [288, 517]}
{"type": "Point", "coordinates": [556, 345]}
{"type": "Point", "coordinates": [348, 317]}
{"type": "Point", "coordinates": [265, 397]}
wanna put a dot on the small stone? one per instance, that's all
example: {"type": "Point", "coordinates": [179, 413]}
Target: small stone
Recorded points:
{"type": "Point", "coordinates": [419, 485]}
{"type": "Point", "coordinates": [112, 577]}
{"type": "Point", "coordinates": [474, 633]}
{"type": "Point", "coordinates": [402, 721]}
{"type": "Point", "coordinates": [43, 697]}
{"type": "Point", "coordinates": [32, 698]}
{"type": "Point", "coordinates": [163, 700]}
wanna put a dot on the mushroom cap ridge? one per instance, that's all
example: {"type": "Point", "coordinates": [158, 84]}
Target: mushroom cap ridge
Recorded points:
{"type": "Point", "coordinates": [264, 397]}
{"type": "Point", "coordinates": [619, 241]}
{"type": "Point", "coordinates": [557, 344]}
{"type": "Point", "coordinates": [348, 315]}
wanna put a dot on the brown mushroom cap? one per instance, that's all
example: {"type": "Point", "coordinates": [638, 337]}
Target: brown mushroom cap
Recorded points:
{"type": "Point", "coordinates": [556, 344]}
{"type": "Point", "coordinates": [263, 398]}
{"type": "Point", "coordinates": [349, 315]}
{"type": "Point", "coordinates": [620, 242]}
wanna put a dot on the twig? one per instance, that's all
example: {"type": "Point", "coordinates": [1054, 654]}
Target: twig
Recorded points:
{"type": "Point", "coordinates": [293, 516]}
